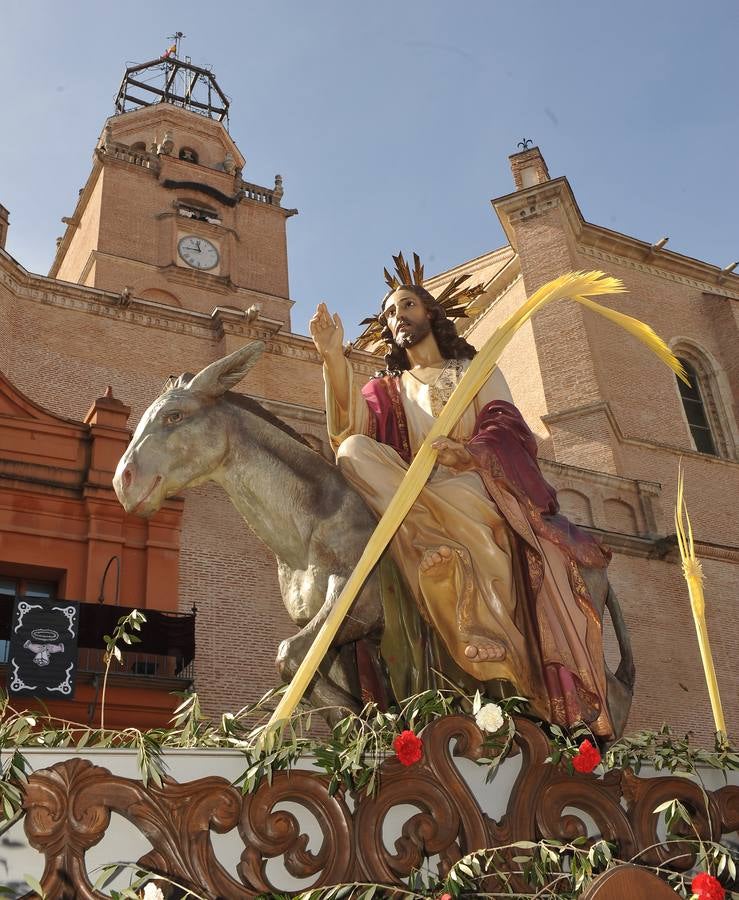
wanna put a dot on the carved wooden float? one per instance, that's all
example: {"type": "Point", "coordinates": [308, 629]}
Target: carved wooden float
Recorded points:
{"type": "Point", "coordinates": [68, 809]}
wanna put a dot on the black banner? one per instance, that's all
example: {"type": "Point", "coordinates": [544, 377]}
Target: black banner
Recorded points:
{"type": "Point", "coordinates": [42, 660]}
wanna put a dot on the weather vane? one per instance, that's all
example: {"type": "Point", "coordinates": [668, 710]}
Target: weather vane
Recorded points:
{"type": "Point", "coordinates": [525, 143]}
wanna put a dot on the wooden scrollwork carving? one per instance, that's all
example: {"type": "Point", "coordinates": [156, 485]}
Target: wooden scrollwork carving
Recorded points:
{"type": "Point", "coordinates": [68, 810]}
{"type": "Point", "coordinates": [268, 833]}
{"type": "Point", "coordinates": [449, 822]}
{"type": "Point", "coordinates": [644, 795]}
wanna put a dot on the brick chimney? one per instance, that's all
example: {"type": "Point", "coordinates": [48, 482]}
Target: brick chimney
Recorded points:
{"type": "Point", "coordinates": [528, 168]}
{"type": "Point", "coordinates": [4, 224]}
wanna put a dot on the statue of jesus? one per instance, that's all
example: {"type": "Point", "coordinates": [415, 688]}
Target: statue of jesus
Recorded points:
{"type": "Point", "coordinates": [494, 570]}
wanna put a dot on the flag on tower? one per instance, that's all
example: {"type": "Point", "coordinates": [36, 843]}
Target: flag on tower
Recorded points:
{"type": "Point", "coordinates": [169, 52]}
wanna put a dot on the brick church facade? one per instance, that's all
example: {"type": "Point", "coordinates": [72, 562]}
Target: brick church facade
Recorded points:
{"type": "Point", "coordinates": [171, 259]}
{"type": "Point", "coordinates": [612, 425]}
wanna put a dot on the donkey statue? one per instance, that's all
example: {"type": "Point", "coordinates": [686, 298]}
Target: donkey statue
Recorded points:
{"type": "Point", "coordinates": [304, 511]}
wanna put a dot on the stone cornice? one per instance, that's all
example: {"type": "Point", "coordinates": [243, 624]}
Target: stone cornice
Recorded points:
{"type": "Point", "coordinates": [151, 313]}
{"type": "Point", "coordinates": [603, 243]}
{"type": "Point", "coordinates": [497, 288]}
{"type": "Point", "coordinates": [624, 544]}
{"type": "Point", "coordinates": [201, 126]}
{"type": "Point", "coordinates": [707, 287]}
{"type": "Point", "coordinates": [662, 548]}
{"type": "Point", "coordinates": [565, 470]}
{"type": "Point", "coordinates": [295, 411]}
{"type": "Point", "coordinates": [605, 408]}
{"type": "Point", "coordinates": [502, 255]}
{"type": "Point", "coordinates": [215, 284]}
{"type": "Point", "coordinates": [31, 476]}
{"type": "Point", "coordinates": [524, 204]}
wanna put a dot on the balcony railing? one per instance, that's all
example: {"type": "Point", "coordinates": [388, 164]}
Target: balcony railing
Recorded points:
{"type": "Point", "coordinates": [152, 665]}
{"type": "Point", "coordinates": [167, 647]}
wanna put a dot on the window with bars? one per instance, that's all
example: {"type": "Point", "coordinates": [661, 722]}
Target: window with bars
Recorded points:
{"type": "Point", "coordinates": [695, 411]}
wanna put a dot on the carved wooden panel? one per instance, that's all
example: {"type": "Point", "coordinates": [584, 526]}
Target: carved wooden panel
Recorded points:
{"type": "Point", "coordinates": [68, 809]}
{"type": "Point", "coordinates": [628, 881]}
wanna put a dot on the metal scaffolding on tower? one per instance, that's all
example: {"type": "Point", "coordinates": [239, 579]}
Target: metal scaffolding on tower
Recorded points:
{"type": "Point", "coordinates": [170, 79]}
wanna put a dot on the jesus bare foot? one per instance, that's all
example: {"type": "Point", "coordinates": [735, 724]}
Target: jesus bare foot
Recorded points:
{"type": "Point", "coordinates": [445, 579]}
{"type": "Point", "coordinates": [488, 651]}
{"type": "Point", "coordinates": [436, 562]}
{"type": "Point", "coordinates": [439, 580]}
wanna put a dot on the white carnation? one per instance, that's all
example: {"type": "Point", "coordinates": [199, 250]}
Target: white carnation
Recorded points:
{"type": "Point", "coordinates": [489, 718]}
{"type": "Point", "coordinates": [152, 892]}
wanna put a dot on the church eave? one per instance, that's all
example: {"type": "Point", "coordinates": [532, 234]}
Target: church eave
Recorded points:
{"type": "Point", "coordinates": [539, 198]}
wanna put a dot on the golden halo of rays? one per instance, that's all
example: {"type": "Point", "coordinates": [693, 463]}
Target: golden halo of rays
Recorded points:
{"type": "Point", "coordinates": [458, 302]}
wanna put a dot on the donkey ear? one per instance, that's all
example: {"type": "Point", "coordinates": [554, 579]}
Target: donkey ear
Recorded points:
{"type": "Point", "coordinates": [222, 375]}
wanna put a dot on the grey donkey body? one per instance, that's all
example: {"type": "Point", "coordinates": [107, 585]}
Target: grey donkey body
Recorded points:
{"type": "Point", "coordinates": [292, 498]}
{"type": "Point", "coordinates": [300, 506]}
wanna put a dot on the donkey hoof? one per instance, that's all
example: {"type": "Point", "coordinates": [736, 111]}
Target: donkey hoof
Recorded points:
{"type": "Point", "coordinates": [285, 661]}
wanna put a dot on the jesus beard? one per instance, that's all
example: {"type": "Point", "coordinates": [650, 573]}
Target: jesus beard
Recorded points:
{"type": "Point", "coordinates": [410, 334]}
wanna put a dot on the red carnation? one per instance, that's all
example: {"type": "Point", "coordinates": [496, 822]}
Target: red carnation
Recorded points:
{"type": "Point", "coordinates": [586, 758]}
{"type": "Point", "coordinates": [408, 748]}
{"type": "Point", "coordinates": [706, 887]}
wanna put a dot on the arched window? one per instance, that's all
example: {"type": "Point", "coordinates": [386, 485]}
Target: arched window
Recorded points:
{"type": "Point", "coordinates": [708, 401]}
{"type": "Point", "coordinates": [139, 146]}
{"type": "Point", "coordinates": [188, 154]}
{"type": "Point", "coordinates": [695, 411]}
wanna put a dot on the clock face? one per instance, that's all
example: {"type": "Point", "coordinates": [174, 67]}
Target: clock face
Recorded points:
{"type": "Point", "coordinates": [198, 252]}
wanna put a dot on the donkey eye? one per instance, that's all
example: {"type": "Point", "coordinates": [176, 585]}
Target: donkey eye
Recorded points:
{"type": "Point", "coordinates": [172, 418]}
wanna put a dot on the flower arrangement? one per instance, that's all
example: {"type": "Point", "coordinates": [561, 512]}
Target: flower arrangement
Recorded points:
{"type": "Point", "coordinates": [490, 718]}
{"type": "Point", "coordinates": [706, 887]}
{"type": "Point", "coordinates": [408, 747]}
{"type": "Point", "coordinates": [587, 758]}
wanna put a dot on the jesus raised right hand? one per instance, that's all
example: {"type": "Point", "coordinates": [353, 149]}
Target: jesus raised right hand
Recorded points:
{"type": "Point", "coordinates": [327, 332]}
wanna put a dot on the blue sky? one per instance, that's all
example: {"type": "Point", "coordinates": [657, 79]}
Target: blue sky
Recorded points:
{"type": "Point", "coordinates": [391, 122]}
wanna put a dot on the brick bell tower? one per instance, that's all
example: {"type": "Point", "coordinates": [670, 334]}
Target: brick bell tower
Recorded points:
{"type": "Point", "coordinates": [166, 214]}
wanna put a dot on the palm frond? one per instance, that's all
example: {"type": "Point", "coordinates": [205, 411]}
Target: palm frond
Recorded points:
{"type": "Point", "coordinates": [693, 574]}
{"type": "Point", "coordinates": [642, 332]}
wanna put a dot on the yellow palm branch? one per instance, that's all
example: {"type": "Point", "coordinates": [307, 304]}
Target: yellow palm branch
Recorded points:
{"type": "Point", "coordinates": [578, 286]}
{"type": "Point", "coordinates": [693, 573]}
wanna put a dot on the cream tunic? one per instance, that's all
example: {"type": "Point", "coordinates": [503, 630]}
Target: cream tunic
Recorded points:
{"type": "Point", "coordinates": [454, 510]}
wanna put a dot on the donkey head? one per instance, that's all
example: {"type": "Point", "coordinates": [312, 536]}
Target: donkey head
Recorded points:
{"type": "Point", "coordinates": [182, 437]}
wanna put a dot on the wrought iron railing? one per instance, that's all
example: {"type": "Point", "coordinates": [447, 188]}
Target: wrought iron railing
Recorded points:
{"type": "Point", "coordinates": [167, 648]}
{"type": "Point", "coordinates": [145, 664]}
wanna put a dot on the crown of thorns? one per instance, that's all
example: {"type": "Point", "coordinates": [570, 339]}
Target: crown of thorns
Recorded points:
{"type": "Point", "coordinates": [457, 302]}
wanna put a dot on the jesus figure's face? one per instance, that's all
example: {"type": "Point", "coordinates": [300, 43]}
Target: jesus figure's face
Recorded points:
{"type": "Point", "coordinates": [406, 317]}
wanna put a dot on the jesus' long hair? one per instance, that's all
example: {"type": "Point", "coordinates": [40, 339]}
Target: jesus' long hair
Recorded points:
{"type": "Point", "coordinates": [451, 345]}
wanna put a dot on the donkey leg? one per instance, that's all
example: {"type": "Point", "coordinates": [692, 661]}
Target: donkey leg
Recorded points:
{"type": "Point", "coordinates": [324, 693]}
{"type": "Point", "coordinates": [331, 686]}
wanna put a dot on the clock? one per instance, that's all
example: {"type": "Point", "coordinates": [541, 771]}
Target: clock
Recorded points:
{"type": "Point", "coordinates": [198, 252]}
